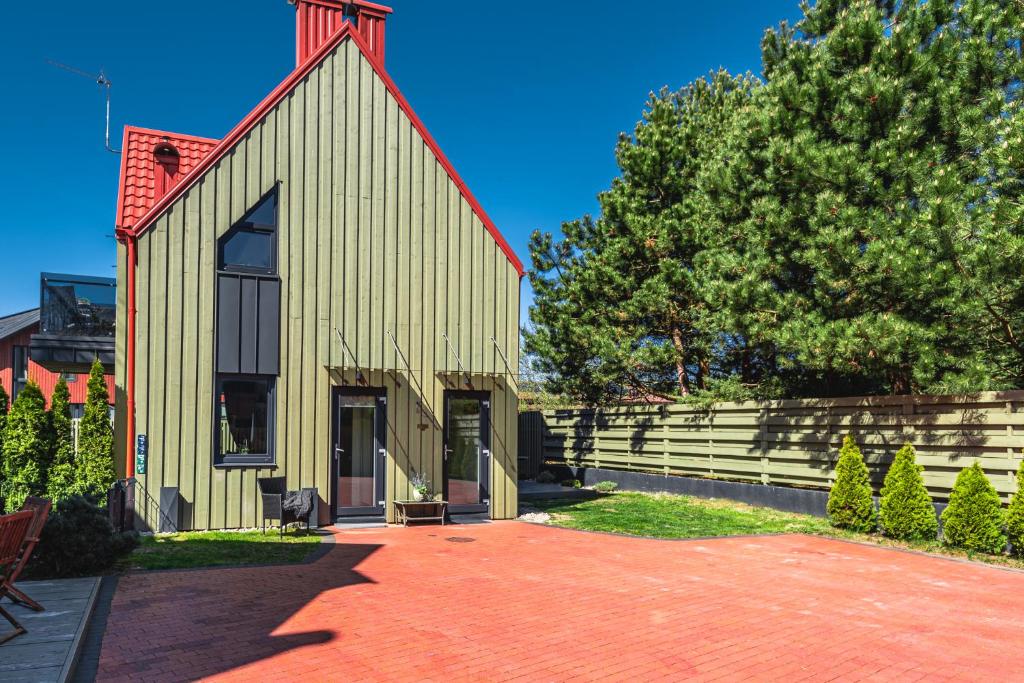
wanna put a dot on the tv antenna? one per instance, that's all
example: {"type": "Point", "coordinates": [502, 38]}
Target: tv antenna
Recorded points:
{"type": "Point", "coordinates": [102, 81]}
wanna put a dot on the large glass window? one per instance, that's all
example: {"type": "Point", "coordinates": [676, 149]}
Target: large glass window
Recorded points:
{"type": "Point", "coordinates": [245, 419]}
{"type": "Point", "coordinates": [251, 244]}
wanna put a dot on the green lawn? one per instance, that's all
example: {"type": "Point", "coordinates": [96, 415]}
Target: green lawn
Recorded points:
{"type": "Point", "coordinates": [660, 515]}
{"type": "Point", "coordinates": [219, 548]}
{"type": "Point", "coordinates": [668, 516]}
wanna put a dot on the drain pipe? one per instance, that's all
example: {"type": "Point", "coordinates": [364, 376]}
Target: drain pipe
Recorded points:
{"type": "Point", "coordinates": [131, 242]}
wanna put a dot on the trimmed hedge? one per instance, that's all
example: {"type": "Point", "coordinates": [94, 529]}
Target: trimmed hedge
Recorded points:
{"type": "Point", "coordinates": [906, 510]}
{"type": "Point", "coordinates": [850, 505]}
{"type": "Point", "coordinates": [974, 518]}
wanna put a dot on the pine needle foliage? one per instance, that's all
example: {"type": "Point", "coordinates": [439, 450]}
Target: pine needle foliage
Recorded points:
{"type": "Point", "coordinates": [850, 505]}
{"type": "Point", "coordinates": [60, 483]}
{"type": "Point", "coordinates": [27, 447]}
{"type": "Point", "coordinates": [973, 520]}
{"type": "Point", "coordinates": [1015, 515]}
{"type": "Point", "coordinates": [94, 465]}
{"type": "Point", "coordinates": [906, 510]}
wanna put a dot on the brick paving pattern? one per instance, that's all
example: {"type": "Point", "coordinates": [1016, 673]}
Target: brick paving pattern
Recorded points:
{"type": "Point", "coordinates": [532, 603]}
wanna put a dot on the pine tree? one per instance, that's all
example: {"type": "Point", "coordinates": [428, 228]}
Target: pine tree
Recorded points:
{"type": "Point", "coordinates": [973, 520]}
{"type": "Point", "coordinates": [27, 447]}
{"type": "Point", "coordinates": [850, 505]}
{"type": "Point", "coordinates": [4, 407]}
{"type": "Point", "coordinates": [1015, 515]}
{"type": "Point", "coordinates": [618, 303]}
{"type": "Point", "coordinates": [94, 465]}
{"type": "Point", "coordinates": [61, 480]}
{"type": "Point", "coordinates": [906, 510]}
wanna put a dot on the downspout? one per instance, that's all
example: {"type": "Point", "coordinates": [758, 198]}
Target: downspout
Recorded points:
{"type": "Point", "coordinates": [131, 241]}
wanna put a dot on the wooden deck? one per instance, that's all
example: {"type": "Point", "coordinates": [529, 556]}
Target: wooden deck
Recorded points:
{"type": "Point", "coordinates": [47, 652]}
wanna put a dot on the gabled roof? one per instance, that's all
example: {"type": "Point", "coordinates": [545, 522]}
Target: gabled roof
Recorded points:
{"type": "Point", "coordinates": [147, 217]}
{"type": "Point", "coordinates": [16, 322]}
{"type": "Point", "coordinates": [137, 192]}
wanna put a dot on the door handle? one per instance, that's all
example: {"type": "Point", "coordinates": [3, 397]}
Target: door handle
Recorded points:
{"type": "Point", "coordinates": [446, 452]}
{"type": "Point", "coordinates": [337, 452]}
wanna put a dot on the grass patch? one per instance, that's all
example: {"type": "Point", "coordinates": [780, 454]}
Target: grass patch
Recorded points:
{"type": "Point", "coordinates": [661, 515]}
{"type": "Point", "coordinates": [668, 516]}
{"type": "Point", "coordinates": [192, 549]}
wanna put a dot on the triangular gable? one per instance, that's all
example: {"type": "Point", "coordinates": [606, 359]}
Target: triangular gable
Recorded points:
{"type": "Point", "coordinates": [137, 190]}
{"type": "Point", "coordinates": [275, 97]}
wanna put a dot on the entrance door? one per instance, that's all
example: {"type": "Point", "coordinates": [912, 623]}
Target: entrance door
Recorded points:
{"type": "Point", "coordinates": [467, 450]}
{"type": "Point", "coordinates": [359, 451]}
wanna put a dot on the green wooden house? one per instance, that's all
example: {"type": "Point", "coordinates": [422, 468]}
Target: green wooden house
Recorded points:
{"type": "Point", "coordinates": [318, 296]}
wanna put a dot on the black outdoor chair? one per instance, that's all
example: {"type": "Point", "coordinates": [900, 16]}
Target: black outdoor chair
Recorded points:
{"type": "Point", "coordinates": [272, 492]}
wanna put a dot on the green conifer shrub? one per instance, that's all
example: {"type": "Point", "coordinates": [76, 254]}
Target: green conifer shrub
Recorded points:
{"type": "Point", "coordinates": [973, 520]}
{"type": "Point", "coordinates": [4, 407]}
{"type": "Point", "coordinates": [94, 464]}
{"type": "Point", "coordinates": [850, 505]}
{"type": "Point", "coordinates": [27, 447]}
{"type": "Point", "coordinates": [78, 540]}
{"type": "Point", "coordinates": [61, 481]}
{"type": "Point", "coordinates": [906, 509]}
{"type": "Point", "coordinates": [1015, 515]}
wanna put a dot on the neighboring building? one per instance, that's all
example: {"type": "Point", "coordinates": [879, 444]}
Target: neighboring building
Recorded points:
{"type": "Point", "coordinates": [17, 367]}
{"type": "Point", "coordinates": [317, 296]}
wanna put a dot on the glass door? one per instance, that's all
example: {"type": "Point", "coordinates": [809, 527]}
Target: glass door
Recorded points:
{"type": "Point", "coordinates": [359, 451]}
{"type": "Point", "coordinates": [467, 451]}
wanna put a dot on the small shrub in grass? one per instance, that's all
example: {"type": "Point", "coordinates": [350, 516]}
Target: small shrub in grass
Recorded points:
{"type": "Point", "coordinates": [78, 540]}
{"type": "Point", "coordinates": [906, 510]}
{"type": "Point", "coordinates": [545, 477]}
{"type": "Point", "coordinates": [973, 520]}
{"type": "Point", "coordinates": [1015, 515]}
{"type": "Point", "coordinates": [605, 486]}
{"type": "Point", "coordinates": [850, 505]}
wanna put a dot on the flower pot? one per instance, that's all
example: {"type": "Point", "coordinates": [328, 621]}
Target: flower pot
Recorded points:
{"type": "Point", "coordinates": [418, 495]}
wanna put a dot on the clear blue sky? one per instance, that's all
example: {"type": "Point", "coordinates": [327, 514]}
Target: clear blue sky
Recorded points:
{"type": "Point", "coordinates": [527, 107]}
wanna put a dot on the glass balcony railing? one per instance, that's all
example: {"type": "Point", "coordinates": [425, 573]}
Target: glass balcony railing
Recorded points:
{"type": "Point", "coordinates": [77, 318]}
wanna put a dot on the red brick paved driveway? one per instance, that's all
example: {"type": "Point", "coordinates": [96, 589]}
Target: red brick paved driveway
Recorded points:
{"type": "Point", "coordinates": [536, 603]}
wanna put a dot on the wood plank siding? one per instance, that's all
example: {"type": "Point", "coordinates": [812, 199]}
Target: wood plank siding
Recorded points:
{"type": "Point", "coordinates": [374, 238]}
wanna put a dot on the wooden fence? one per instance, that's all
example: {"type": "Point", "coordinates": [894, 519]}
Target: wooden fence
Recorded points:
{"type": "Point", "coordinates": [794, 442]}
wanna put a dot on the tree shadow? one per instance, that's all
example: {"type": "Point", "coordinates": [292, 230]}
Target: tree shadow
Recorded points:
{"type": "Point", "coordinates": [191, 624]}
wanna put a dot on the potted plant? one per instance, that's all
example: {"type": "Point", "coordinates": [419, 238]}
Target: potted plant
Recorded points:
{"type": "Point", "coordinates": [421, 488]}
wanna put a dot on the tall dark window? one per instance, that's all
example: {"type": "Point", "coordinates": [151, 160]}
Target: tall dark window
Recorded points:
{"type": "Point", "coordinates": [20, 367]}
{"type": "Point", "coordinates": [248, 331]}
{"type": "Point", "coordinates": [251, 244]}
{"type": "Point", "coordinates": [245, 420]}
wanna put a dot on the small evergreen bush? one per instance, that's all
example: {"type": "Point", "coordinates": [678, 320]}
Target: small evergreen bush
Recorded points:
{"type": "Point", "coordinates": [605, 486]}
{"type": "Point", "coordinates": [850, 505]}
{"type": "Point", "coordinates": [27, 447]}
{"type": "Point", "coordinates": [906, 510]}
{"type": "Point", "coordinates": [973, 520]}
{"type": "Point", "coordinates": [78, 540]}
{"type": "Point", "coordinates": [60, 483]}
{"type": "Point", "coordinates": [1015, 515]}
{"type": "Point", "coordinates": [94, 465]}
{"type": "Point", "coordinates": [4, 407]}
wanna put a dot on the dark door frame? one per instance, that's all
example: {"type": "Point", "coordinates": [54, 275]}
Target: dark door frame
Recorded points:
{"type": "Point", "coordinates": [484, 464]}
{"type": "Point", "coordinates": [380, 444]}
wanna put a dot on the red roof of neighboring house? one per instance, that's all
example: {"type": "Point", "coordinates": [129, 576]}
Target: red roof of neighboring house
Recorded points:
{"type": "Point", "coordinates": [142, 220]}
{"type": "Point", "coordinates": [138, 190]}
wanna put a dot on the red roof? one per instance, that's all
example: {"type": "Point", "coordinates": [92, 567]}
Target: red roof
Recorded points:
{"type": "Point", "coordinates": [141, 221]}
{"type": "Point", "coordinates": [138, 190]}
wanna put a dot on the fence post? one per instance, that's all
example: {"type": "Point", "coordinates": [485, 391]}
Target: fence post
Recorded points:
{"type": "Point", "coordinates": [763, 427]}
{"type": "Point", "coordinates": [664, 445]}
{"type": "Point", "coordinates": [711, 441]}
{"type": "Point", "coordinates": [1011, 472]}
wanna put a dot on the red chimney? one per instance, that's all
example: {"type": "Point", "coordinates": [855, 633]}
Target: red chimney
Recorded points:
{"type": "Point", "coordinates": [317, 20]}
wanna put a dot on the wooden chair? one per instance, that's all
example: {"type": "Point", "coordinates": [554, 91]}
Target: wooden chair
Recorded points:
{"type": "Point", "coordinates": [272, 492]}
{"type": "Point", "coordinates": [40, 508]}
{"type": "Point", "coordinates": [13, 530]}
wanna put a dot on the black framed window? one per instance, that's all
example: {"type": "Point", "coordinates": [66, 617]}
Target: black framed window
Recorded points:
{"type": "Point", "coordinates": [244, 420]}
{"type": "Point", "coordinates": [20, 368]}
{"type": "Point", "coordinates": [251, 244]}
